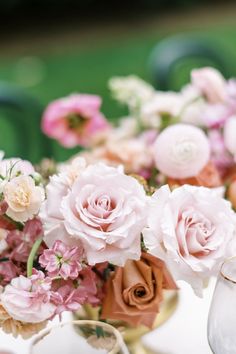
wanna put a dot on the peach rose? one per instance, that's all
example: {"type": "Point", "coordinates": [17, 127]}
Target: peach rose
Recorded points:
{"type": "Point", "coordinates": [208, 177]}
{"type": "Point", "coordinates": [134, 291]}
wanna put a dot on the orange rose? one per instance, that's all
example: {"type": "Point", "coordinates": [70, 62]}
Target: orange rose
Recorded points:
{"type": "Point", "coordinates": [134, 292]}
{"type": "Point", "coordinates": [208, 177]}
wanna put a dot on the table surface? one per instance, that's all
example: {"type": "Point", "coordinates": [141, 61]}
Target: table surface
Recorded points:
{"type": "Point", "coordinates": [185, 332]}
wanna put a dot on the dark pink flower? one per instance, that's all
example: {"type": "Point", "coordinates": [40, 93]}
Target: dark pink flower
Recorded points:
{"type": "Point", "coordinates": [62, 260]}
{"type": "Point", "coordinates": [74, 120]}
{"type": "Point", "coordinates": [8, 271]}
{"type": "Point", "coordinates": [22, 241]}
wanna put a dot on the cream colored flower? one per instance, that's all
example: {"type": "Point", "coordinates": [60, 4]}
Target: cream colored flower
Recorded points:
{"type": "Point", "coordinates": [72, 169]}
{"type": "Point", "coordinates": [131, 90]}
{"type": "Point", "coordinates": [16, 328]}
{"type": "Point", "coordinates": [23, 198]}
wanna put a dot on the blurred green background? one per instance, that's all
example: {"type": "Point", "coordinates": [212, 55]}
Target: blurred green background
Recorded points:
{"type": "Point", "coordinates": [55, 60]}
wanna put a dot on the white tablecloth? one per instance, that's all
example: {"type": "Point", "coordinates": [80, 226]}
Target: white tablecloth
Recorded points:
{"type": "Point", "coordinates": [184, 333]}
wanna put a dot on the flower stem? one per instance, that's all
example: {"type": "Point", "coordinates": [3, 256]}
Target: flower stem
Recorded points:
{"type": "Point", "coordinates": [32, 255]}
{"type": "Point", "coordinates": [4, 259]}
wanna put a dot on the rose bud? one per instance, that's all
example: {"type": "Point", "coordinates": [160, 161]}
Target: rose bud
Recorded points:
{"type": "Point", "coordinates": [134, 292]}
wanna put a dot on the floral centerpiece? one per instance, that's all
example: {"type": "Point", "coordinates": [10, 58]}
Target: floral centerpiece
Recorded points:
{"type": "Point", "coordinates": [143, 205]}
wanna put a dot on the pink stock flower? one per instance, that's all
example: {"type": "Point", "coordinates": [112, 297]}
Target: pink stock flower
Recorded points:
{"type": "Point", "coordinates": [91, 285]}
{"type": "Point", "coordinates": [210, 83]}
{"type": "Point", "coordinates": [8, 271]}
{"type": "Point", "coordinates": [231, 94]}
{"type": "Point", "coordinates": [219, 155]}
{"type": "Point", "coordinates": [3, 207]}
{"type": "Point", "coordinates": [74, 120]}
{"type": "Point", "coordinates": [29, 299]}
{"type": "Point", "coordinates": [193, 230]}
{"type": "Point", "coordinates": [70, 296]}
{"type": "Point", "coordinates": [21, 242]}
{"type": "Point", "coordinates": [181, 151]}
{"type": "Point", "coordinates": [230, 136]}
{"type": "Point", "coordinates": [103, 209]}
{"type": "Point", "coordinates": [215, 115]}
{"type": "Point", "coordinates": [62, 260]}
{"type": "Point", "coordinates": [67, 298]}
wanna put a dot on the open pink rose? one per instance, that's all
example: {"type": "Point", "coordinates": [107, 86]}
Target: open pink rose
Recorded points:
{"type": "Point", "coordinates": [104, 209]}
{"type": "Point", "coordinates": [28, 299]}
{"type": "Point", "coordinates": [192, 229]}
{"type": "Point", "coordinates": [211, 83]}
{"type": "Point", "coordinates": [181, 151]}
{"type": "Point", "coordinates": [74, 120]}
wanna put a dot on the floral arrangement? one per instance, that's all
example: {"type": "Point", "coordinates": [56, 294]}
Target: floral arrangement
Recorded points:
{"type": "Point", "coordinates": [143, 205]}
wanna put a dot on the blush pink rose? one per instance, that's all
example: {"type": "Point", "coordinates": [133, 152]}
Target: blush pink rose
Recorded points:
{"type": "Point", "coordinates": [192, 229]}
{"type": "Point", "coordinates": [74, 120]}
{"type": "Point", "coordinates": [181, 151]}
{"type": "Point", "coordinates": [210, 83]}
{"type": "Point", "coordinates": [28, 299]}
{"type": "Point", "coordinates": [103, 209]}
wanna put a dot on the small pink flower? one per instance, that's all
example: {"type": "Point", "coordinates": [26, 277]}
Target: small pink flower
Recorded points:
{"type": "Point", "coordinates": [230, 136]}
{"type": "Point", "coordinates": [210, 83]}
{"type": "Point", "coordinates": [91, 284]}
{"type": "Point", "coordinates": [215, 115]}
{"type": "Point", "coordinates": [181, 151]}
{"type": "Point", "coordinates": [62, 260]}
{"type": "Point", "coordinates": [231, 94]}
{"type": "Point", "coordinates": [219, 155]}
{"type": "Point", "coordinates": [8, 271]}
{"type": "Point", "coordinates": [29, 299]}
{"type": "Point", "coordinates": [67, 298]}
{"type": "Point", "coordinates": [3, 207]}
{"type": "Point", "coordinates": [73, 120]}
{"type": "Point", "coordinates": [21, 242]}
